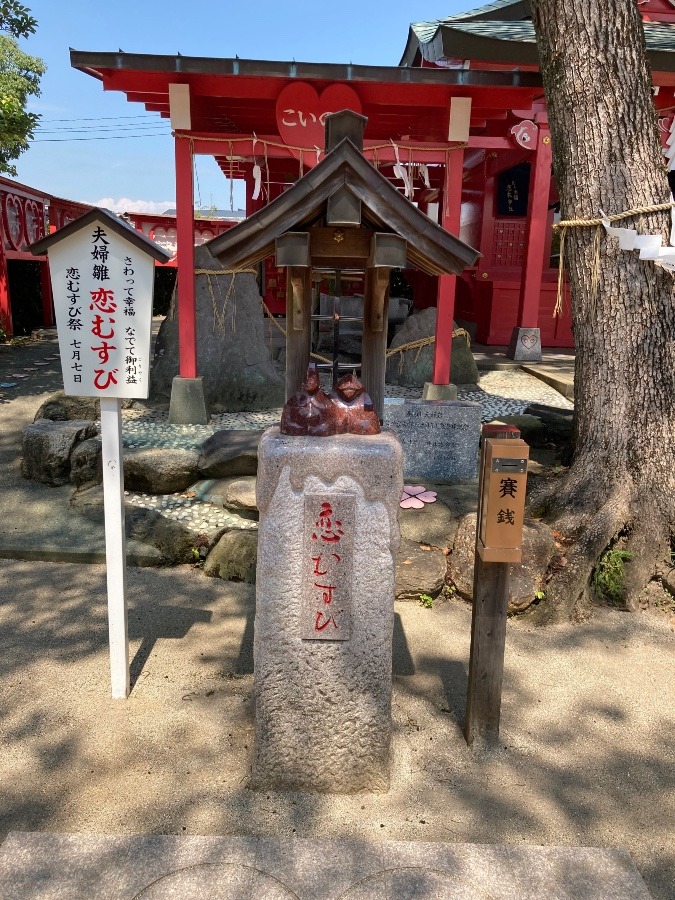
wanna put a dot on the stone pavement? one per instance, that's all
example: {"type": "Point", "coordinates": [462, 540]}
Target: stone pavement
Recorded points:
{"type": "Point", "coordinates": [43, 866]}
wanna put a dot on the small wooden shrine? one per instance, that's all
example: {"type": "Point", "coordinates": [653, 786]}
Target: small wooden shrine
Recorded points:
{"type": "Point", "coordinates": [342, 216]}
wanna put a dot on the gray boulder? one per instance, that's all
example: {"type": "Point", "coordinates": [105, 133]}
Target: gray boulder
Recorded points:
{"type": "Point", "coordinates": [234, 557]}
{"type": "Point", "coordinates": [525, 578]}
{"type": "Point", "coordinates": [412, 368]}
{"type": "Point", "coordinates": [435, 525]}
{"type": "Point", "coordinates": [236, 494]}
{"type": "Point", "coordinates": [230, 452]}
{"type": "Point", "coordinates": [232, 352]}
{"type": "Point", "coordinates": [160, 471]}
{"type": "Point", "coordinates": [47, 447]}
{"type": "Point", "coordinates": [419, 571]}
{"type": "Point", "coordinates": [60, 408]}
{"type": "Point", "coordinates": [86, 463]}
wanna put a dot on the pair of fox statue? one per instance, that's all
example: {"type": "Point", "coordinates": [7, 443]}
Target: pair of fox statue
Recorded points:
{"type": "Point", "coordinates": [347, 409]}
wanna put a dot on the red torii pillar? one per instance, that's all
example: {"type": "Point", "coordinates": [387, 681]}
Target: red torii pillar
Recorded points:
{"type": "Point", "coordinates": [525, 345]}
{"type": "Point", "coordinates": [188, 406]}
{"type": "Point", "coordinates": [5, 301]}
{"type": "Point", "coordinates": [440, 388]}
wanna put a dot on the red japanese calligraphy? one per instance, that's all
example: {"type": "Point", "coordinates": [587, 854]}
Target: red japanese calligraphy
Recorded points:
{"type": "Point", "coordinates": [97, 327]}
{"type": "Point", "coordinates": [103, 300]}
{"type": "Point", "coordinates": [320, 624]}
{"type": "Point", "coordinates": [330, 529]}
{"type": "Point", "coordinates": [327, 591]}
{"type": "Point", "coordinates": [104, 351]}
{"type": "Point", "coordinates": [103, 379]}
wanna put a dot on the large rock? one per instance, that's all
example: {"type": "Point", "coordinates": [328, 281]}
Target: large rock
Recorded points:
{"type": "Point", "coordinates": [436, 525]}
{"type": "Point", "coordinates": [419, 571]}
{"type": "Point", "coordinates": [230, 452]}
{"type": "Point", "coordinates": [47, 447]}
{"type": "Point", "coordinates": [232, 352]}
{"type": "Point", "coordinates": [60, 408]}
{"type": "Point", "coordinates": [234, 557]}
{"type": "Point", "coordinates": [86, 462]}
{"type": "Point", "coordinates": [236, 494]}
{"type": "Point", "coordinates": [412, 368]}
{"type": "Point", "coordinates": [160, 471]}
{"type": "Point", "coordinates": [525, 578]}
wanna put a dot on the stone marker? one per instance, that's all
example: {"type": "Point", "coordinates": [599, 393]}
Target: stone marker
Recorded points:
{"type": "Point", "coordinates": [439, 437]}
{"type": "Point", "coordinates": [325, 611]}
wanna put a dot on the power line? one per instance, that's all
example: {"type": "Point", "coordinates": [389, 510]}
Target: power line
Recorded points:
{"type": "Point", "coordinates": [115, 137]}
{"type": "Point", "coordinates": [93, 119]}
{"type": "Point", "coordinates": [101, 128]}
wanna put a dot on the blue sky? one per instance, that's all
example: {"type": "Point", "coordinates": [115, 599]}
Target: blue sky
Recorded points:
{"type": "Point", "coordinates": [139, 167]}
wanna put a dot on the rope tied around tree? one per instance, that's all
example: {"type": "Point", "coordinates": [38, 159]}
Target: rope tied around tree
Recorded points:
{"type": "Point", "coordinates": [596, 223]}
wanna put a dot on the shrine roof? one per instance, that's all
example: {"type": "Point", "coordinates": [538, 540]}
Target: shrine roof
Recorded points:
{"type": "Point", "coordinates": [238, 96]}
{"type": "Point", "coordinates": [489, 34]}
{"type": "Point", "coordinates": [111, 221]}
{"type": "Point", "coordinates": [384, 208]}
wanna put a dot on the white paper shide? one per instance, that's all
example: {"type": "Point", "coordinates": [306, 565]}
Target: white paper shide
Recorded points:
{"type": "Point", "coordinates": [102, 287]}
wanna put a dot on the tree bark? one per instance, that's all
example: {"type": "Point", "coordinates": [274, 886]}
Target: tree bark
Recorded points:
{"type": "Point", "coordinates": [607, 156]}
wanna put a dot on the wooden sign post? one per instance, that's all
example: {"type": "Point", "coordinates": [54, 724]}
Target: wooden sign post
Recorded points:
{"type": "Point", "coordinates": [499, 527]}
{"type": "Point", "coordinates": [102, 273]}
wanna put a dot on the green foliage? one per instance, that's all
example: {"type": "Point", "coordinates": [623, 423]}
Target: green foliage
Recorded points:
{"type": "Point", "coordinates": [539, 595]}
{"type": "Point", "coordinates": [427, 601]}
{"type": "Point", "coordinates": [16, 19]}
{"type": "Point", "coordinates": [609, 577]}
{"type": "Point", "coordinates": [19, 79]}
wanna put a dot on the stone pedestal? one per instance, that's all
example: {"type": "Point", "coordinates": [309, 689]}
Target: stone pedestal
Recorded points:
{"type": "Point", "coordinates": [327, 546]}
{"type": "Point", "coordinates": [525, 345]}
{"type": "Point", "coordinates": [433, 391]}
{"type": "Point", "coordinates": [188, 405]}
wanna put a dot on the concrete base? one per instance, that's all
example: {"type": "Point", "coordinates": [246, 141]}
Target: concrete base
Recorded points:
{"type": "Point", "coordinates": [439, 391]}
{"type": "Point", "coordinates": [188, 404]}
{"type": "Point", "coordinates": [43, 866]}
{"type": "Point", "coordinates": [525, 345]}
{"type": "Point", "coordinates": [328, 538]}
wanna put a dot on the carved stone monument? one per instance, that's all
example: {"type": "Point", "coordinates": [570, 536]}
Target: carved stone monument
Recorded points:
{"type": "Point", "coordinates": [325, 610]}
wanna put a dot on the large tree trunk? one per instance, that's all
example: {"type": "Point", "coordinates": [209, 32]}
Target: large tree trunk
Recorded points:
{"type": "Point", "coordinates": [607, 156]}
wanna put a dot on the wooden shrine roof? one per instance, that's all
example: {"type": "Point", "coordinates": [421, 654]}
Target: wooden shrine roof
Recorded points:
{"type": "Point", "coordinates": [502, 32]}
{"type": "Point", "coordinates": [430, 247]}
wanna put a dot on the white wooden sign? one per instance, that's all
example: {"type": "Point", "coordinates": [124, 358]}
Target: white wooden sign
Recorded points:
{"type": "Point", "coordinates": [102, 286]}
{"type": "Point", "coordinates": [102, 274]}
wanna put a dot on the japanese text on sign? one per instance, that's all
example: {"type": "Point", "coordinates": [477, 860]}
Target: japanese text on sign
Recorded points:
{"type": "Point", "coordinates": [328, 542]}
{"type": "Point", "coordinates": [102, 288]}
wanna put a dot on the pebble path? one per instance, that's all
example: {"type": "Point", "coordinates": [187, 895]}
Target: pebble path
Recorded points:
{"type": "Point", "coordinates": [500, 393]}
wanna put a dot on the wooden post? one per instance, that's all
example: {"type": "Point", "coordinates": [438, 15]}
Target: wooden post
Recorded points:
{"type": "Point", "coordinates": [445, 303]}
{"type": "Point", "coordinates": [488, 628]}
{"type": "Point", "coordinates": [115, 544]}
{"type": "Point", "coordinates": [185, 211]}
{"type": "Point", "coordinates": [375, 318]}
{"type": "Point", "coordinates": [298, 326]}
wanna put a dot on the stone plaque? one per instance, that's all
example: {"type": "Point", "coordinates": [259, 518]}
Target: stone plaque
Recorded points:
{"type": "Point", "coordinates": [439, 437]}
{"type": "Point", "coordinates": [328, 549]}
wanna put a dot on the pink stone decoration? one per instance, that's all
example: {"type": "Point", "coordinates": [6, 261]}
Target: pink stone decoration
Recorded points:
{"type": "Point", "coordinates": [415, 496]}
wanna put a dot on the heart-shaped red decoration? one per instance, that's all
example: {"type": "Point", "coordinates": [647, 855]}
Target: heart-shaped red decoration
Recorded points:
{"type": "Point", "coordinates": [528, 340]}
{"type": "Point", "coordinates": [13, 216]}
{"type": "Point", "coordinates": [301, 115]}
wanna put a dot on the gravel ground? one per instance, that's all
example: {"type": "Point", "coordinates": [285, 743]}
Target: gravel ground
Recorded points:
{"type": "Point", "coordinates": [588, 725]}
{"type": "Point", "coordinates": [588, 719]}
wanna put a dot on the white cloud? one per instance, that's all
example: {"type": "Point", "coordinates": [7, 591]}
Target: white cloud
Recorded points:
{"type": "Point", "coordinates": [124, 204]}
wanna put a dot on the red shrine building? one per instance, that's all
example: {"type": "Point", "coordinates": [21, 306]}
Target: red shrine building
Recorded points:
{"type": "Point", "coordinates": [459, 126]}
